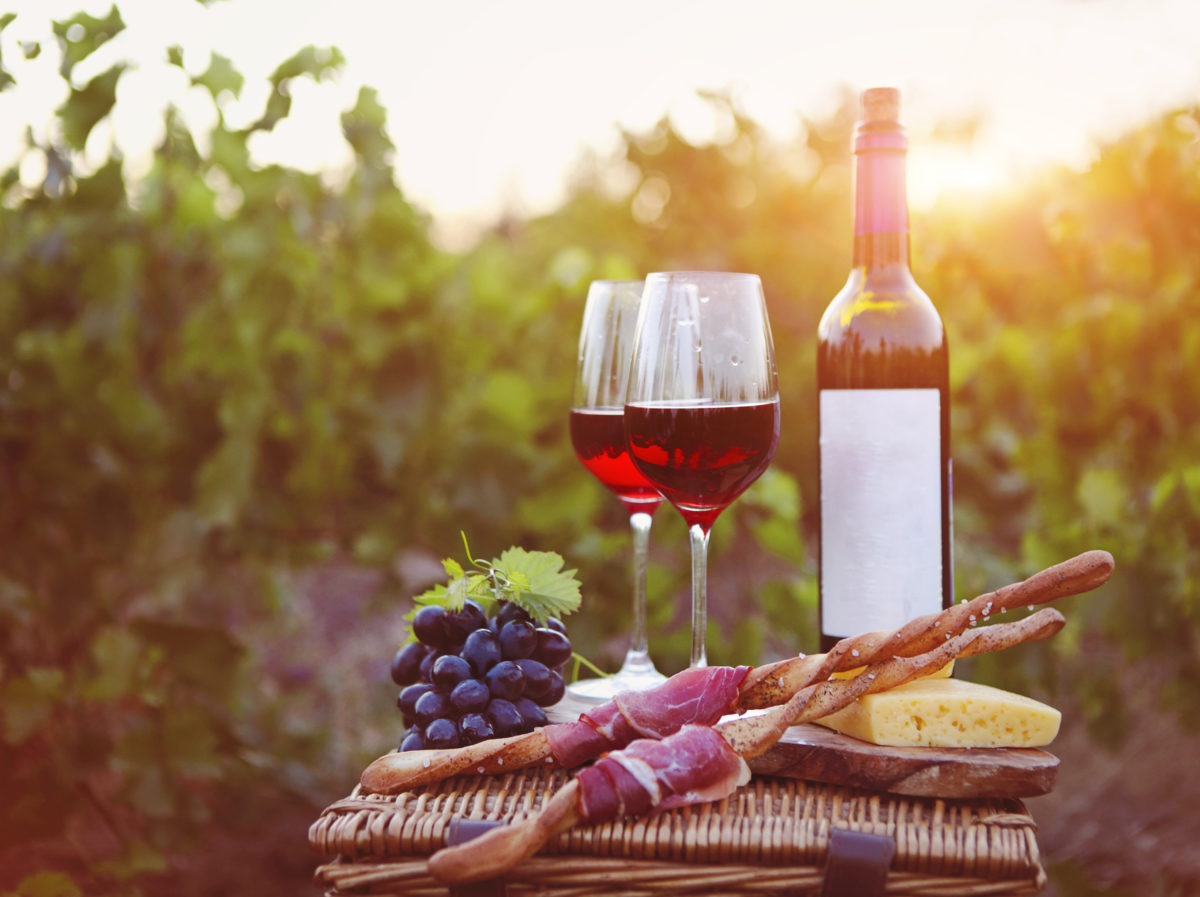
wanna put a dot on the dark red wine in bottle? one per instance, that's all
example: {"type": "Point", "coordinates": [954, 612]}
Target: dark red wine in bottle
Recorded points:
{"type": "Point", "coordinates": [886, 544]}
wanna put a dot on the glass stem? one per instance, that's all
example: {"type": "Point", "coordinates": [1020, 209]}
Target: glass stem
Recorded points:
{"type": "Point", "coordinates": [638, 657]}
{"type": "Point", "coordinates": [699, 535]}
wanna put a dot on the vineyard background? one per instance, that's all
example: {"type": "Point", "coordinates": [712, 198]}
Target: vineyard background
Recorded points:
{"type": "Point", "coordinates": [245, 410]}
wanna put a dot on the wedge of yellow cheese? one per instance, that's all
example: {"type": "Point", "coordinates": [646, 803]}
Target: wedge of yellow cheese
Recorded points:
{"type": "Point", "coordinates": [947, 713]}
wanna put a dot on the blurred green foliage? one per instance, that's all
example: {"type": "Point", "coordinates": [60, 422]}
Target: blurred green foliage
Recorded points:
{"type": "Point", "coordinates": [225, 382]}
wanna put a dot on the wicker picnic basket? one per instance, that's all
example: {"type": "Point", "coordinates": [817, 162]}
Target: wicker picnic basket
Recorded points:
{"type": "Point", "coordinates": [772, 836]}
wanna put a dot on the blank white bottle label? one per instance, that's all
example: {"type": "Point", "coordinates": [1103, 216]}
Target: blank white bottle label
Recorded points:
{"type": "Point", "coordinates": [881, 508]}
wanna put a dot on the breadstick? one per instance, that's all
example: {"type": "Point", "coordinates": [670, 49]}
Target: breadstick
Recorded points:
{"type": "Point", "coordinates": [503, 848]}
{"type": "Point", "coordinates": [756, 734]}
{"type": "Point", "coordinates": [764, 686]}
{"type": "Point", "coordinates": [399, 771]}
{"type": "Point", "coordinates": [771, 684]}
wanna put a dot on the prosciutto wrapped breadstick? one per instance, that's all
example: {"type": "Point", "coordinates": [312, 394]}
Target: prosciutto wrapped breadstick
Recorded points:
{"type": "Point", "coordinates": [703, 696]}
{"type": "Point", "coordinates": [701, 763]}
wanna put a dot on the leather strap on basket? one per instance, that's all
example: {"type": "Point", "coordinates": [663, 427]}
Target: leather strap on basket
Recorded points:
{"type": "Point", "coordinates": [857, 865]}
{"type": "Point", "coordinates": [462, 830]}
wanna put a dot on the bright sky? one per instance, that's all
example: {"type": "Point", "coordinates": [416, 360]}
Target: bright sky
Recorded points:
{"type": "Point", "coordinates": [491, 103]}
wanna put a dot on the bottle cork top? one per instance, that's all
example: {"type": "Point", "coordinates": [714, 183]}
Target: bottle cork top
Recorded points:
{"type": "Point", "coordinates": [880, 104]}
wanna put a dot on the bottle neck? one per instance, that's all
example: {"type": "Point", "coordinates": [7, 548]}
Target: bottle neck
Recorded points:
{"type": "Point", "coordinates": [880, 198]}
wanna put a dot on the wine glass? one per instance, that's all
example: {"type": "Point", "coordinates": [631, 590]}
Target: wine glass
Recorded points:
{"type": "Point", "coordinates": [598, 437]}
{"type": "Point", "coordinates": [702, 409]}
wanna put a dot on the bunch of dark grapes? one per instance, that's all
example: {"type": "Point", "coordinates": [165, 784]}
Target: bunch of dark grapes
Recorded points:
{"type": "Point", "coordinates": [469, 677]}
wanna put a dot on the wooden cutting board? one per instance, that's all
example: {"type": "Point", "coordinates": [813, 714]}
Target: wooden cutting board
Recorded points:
{"type": "Point", "coordinates": [818, 754]}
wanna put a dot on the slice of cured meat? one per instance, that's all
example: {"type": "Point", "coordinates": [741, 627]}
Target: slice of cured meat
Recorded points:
{"type": "Point", "coordinates": [695, 765]}
{"type": "Point", "coordinates": [573, 744]}
{"type": "Point", "coordinates": [701, 695]}
{"type": "Point", "coordinates": [698, 695]}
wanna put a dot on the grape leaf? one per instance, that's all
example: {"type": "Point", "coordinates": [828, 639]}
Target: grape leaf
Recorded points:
{"type": "Point", "coordinates": [539, 584]}
{"type": "Point", "coordinates": [457, 592]}
{"type": "Point", "coordinates": [432, 595]}
{"type": "Point", "coordinates": [533, 580]}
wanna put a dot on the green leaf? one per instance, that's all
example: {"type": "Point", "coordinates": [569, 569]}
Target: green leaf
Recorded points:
{"type": "Point", "coordinates": [1103, 496]}
{"type": "Point", "coordinates": [220, 76]}
{"type": "Point", "coordinates": [177, 142]}
{"type": "Point", "coordinates": [457, 593]}
{"type": "Point", "coordinates": [117, 654]}
{"type": "Point", "coordinates": [138, 857]}
{"type": "Point", "coordinates": [781, 537]}
{"type": "Point", "coordinates": [533, 580]}
{"type": "Point", "coordinates": [547, 590]}
{"type": "Point", "coordinates": [510, 398]}
{"type": "Point", "coordinates": [776, 492]}
{"type": "Point", "coordinates": [47, 884]}
{"type": "Point", "coordinates": [229, 151]}
{"type": "Point", "coordinates": [1164, 488]}
{"type": "Point", "coordinates": [29, 701]}
{"type": "Point", "coordinates": [191, 743]}
{"type": "Point", "coordinates": [364, 127]}
{"type": "Point", "coordinates": [104, 190]}
{"type": "Point", "coordinates": [433, 595]}
{"type": "Point", "coordinates": [469, 585]}
{"type": "Point", "coordinates": [224, 481]}
{"type": "Point", "coordinates": [563, 509]}
{"type": "Point", "coordinates": [316, 62]}
{"type": "Point", "coordinates": [6, 78]}
{"type": "Point", "coordinates": [204, 656]}
{"type": "Point", "coordinates": [1191, 483]}
{"type": "Point", "coordinates": [83, 34]}
{"type": "Point", "coordinates": [86, 106]}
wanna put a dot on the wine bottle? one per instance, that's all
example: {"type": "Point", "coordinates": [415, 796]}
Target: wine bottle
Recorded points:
{"type": "Point", "coordinates": [886, 543]}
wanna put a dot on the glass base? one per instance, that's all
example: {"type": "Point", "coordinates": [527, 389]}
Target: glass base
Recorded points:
{"type": "Point", "coordinates": [636, 674]}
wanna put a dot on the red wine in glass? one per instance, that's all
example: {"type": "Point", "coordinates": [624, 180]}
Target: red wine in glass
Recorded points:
{"type": "Point", "coordinates": [598, 437]}
{"type": "Point", "coordinates": [702, 457]}
{"type": "Point", "coordinates": [702, 406]}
